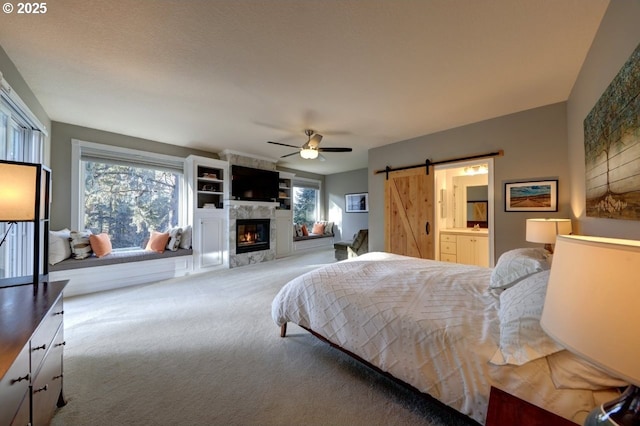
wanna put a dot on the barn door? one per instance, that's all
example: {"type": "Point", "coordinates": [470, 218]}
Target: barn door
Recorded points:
{"type": "Point", "coordinates": [409, 227]}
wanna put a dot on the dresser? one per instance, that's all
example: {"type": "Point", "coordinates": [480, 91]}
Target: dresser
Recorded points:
{"type": "Point", "coordinates": [465, 246]}
{"type": "Point", "coordinates": [31, 350]}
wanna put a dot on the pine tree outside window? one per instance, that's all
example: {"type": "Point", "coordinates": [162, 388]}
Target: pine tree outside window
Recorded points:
{"type": "Point", "coordinates": [306, 202]}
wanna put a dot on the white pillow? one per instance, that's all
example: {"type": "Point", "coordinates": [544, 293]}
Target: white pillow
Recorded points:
{"type": "Point", "coordinates": [569, 371]}
{"type": "Point", "coordinates": [516, 265]}
{"type": "Point", "coordinates": [522, 339]}
{"type": "Point", "coordinates": [185, 239]}
{"type": "Point", "coordinates": [175, 236]}
{"type": "Point", "coordinates": [80, 245]}
{"type": "Point", "coordinates": [59, 247]}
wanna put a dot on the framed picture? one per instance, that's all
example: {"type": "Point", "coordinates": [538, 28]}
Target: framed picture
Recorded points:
{"type": "Point", "coordinates": [357, 203]}
{"type": "Point", "coordinates": [536, 196]}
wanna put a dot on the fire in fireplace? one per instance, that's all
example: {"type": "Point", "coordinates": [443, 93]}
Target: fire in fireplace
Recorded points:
{"type": "Point", "coordinates": [252, 235]}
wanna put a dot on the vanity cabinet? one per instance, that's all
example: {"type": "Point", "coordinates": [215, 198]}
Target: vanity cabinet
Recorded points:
{"type": "Point", "coordinates": [473, 250]}
{"type": "Point", "coordinates": [31, 351]}
{"type": "Point", "coordinates": [468, 247]}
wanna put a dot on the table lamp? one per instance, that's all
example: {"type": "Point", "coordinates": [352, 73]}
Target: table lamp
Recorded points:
{"type": "Point", "coordinates": [592, 309]}
{"type": "Point", "coordinates": [545, 231]}
{"type": "Point", "coordinates": [24, 190]}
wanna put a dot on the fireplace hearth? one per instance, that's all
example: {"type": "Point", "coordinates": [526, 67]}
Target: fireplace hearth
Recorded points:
{"type": "Point", "coordinates": [252, 235]}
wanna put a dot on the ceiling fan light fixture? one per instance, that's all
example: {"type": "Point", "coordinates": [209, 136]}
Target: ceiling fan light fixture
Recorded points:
{"type": "Point", "coordinates": [309, 153]}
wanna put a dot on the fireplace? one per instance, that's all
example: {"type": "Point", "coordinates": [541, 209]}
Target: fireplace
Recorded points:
{"type": "Point", "coordinates": [252, 235]}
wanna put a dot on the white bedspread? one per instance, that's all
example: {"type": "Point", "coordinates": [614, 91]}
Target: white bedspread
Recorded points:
{"type": "Point", "coordinates": [433, 325]}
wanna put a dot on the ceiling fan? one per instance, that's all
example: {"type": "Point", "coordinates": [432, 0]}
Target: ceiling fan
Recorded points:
{"type": "Point", "coordinates": [310, 150]}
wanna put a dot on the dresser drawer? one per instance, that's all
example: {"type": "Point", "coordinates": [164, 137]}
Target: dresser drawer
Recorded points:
{"type": "Point", "coordinates": [47, 383]}
{"type": "Point", "coordinates": [448, 248]}
{"type": "Point", "coordinates": [447, 238]}
{"type": "Point", "coordinates": [43, 336]}
{"type": "Point", "coordinates": [13, 386]}
{"type": "Point", "coordinates": [448, 257]}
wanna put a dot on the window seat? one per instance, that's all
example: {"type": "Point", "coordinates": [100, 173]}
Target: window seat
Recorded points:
{"type": "Point", "coordinates": [312, 241]}
{"type": "Point", "coordinates": [120, 269]}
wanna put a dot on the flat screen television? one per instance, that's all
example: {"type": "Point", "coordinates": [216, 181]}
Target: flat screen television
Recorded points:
{"type": "Point", "coordinates": [251, 184]}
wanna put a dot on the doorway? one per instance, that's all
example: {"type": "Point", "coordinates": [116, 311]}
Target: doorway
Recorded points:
{"type": "Point", "coordinates": [464, 214]}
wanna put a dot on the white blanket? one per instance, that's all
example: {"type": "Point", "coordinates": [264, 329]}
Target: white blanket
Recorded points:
{"type": "Point", "coordinates": [433, 325]}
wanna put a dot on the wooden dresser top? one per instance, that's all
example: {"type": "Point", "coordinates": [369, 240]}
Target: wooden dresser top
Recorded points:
{"type": "Point", "coordinates": [22, 309]}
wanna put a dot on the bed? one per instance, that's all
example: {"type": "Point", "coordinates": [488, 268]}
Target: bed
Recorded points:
{"type": "Point", "coordinates": [448, 330]}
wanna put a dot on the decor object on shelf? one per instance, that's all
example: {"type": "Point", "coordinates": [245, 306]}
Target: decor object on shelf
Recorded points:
{"type": "Point", "coordinates": [24, 195]}
{"type": "Point", "coordinates": [356, 203]}
{"type": "Point", "coordinates": [545, 231]}
{"type": "Point", "coordinates": [611, 142]}
{"type": "Point", "coordinates": [591, 309]}
{"type": "Point", "coordinates": [535, 196]}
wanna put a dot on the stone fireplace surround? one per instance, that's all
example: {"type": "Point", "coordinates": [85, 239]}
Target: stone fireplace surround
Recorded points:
{"type": "Point", "coordinates": [250, 210]}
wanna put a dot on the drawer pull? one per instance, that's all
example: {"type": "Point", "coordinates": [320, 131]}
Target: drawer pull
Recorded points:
{"type": "Point", "coordinates": [44, 388]}
{"type": "Point", "coordinates": [60, 344]}
{"type": "Point", "coordinates": [19, 379]}
{"type": "Point", "coordinates": [57, 377]}
{"type": "Point", "coordinates": [38, 348]}
{"type": "Point", "coordinates": [59, 313]}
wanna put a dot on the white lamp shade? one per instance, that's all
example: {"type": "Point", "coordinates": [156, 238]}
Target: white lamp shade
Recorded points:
{"type": "Point", "coordinates": [17, 192]}
{"type": "Point", "coordinates": [545, 230]}
{"type": "Point", "coordinates": [592, 302]}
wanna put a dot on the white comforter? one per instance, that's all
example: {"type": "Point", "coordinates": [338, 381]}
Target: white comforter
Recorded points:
{"type": "Point", "coordinates": [431, 324]}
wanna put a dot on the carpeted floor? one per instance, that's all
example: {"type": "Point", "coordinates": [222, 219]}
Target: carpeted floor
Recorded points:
{"type": "Point", "coordinates": [203, 350]}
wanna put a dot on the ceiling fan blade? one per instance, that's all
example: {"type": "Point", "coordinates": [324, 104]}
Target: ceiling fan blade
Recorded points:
{"type": "Point", "coordinates": [283, 144]}
{"type": "Point", "coordinates": [315, 140]}
{"type": "Point", "coordinates": [335, 149]}
{"type": "Point", "coordinates": [289, 155]}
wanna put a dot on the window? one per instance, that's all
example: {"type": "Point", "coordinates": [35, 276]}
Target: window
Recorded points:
{"type": "Point", "coordinates": [21, 139]}
{"type": "Point", "coordinates": [128, 193]}
{"type": "Point", "coordinates": [306, 201]}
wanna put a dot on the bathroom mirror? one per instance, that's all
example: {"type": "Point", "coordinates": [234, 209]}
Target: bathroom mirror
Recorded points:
{"type": "Point", "coordinates": [470, 206]}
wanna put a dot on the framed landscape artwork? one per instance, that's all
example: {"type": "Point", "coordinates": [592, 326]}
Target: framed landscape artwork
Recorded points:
{"type": "Point", "coordinates": [357, 203]}
{"type": "Point", "coordinates": [537, 196]}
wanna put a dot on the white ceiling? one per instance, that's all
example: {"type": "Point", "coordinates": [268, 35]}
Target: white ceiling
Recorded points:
{"type": "Point", "coordinates": [235, 73]}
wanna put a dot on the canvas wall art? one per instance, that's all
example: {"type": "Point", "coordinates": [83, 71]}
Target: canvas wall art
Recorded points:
{"type": "Point", "coordinates": [612, 147]}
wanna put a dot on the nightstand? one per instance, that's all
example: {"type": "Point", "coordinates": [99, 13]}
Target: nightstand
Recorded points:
{"type": "Point", "coordinates": [508, 410]}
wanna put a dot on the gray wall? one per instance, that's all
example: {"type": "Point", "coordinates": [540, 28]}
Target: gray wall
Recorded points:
{"type": "Point", "coordinates": [535, 148]}
{"type": "Point", "coordinates": [336, 186]}
{"type": "Point", "coordinates": [63, 133]}
{"type": "Point", "coordinates": [618, 36]}
{"type": "Point", "coordinates": [13, 77]}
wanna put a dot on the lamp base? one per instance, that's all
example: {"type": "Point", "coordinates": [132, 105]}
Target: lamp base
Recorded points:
{"type": "Point", "coordinates": [623, 411]}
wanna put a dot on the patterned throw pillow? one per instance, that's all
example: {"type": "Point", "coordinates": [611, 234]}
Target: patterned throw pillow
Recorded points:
{"type": "Point", "coordinates": [516, 265]}
{"type": "Point", "coordinates": [175, 236]}
{"type": "Point", "coordinates": [522, 338]}
{"type": "Point", "coordinates": [80, 244]}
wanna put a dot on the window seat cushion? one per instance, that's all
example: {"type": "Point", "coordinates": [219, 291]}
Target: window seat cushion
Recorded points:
{"type": "Point", "coordinates": [116, 258]}
{"type": "Point", "coordinates": [312, 236]}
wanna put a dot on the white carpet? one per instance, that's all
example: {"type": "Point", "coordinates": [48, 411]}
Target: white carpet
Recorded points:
{"type": "Point", "coordinates": [203, 350]}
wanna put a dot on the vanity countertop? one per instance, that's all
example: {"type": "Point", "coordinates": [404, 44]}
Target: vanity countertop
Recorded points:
{"type": "Point", "coordinates": [465, 231]}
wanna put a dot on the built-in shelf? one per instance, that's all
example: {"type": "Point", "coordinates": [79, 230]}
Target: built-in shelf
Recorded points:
{"type": "Point", "coordinates": [284, 192]}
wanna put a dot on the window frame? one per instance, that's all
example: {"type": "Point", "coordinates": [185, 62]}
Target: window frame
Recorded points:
{"type": "Point", "coordinates": [300, 182]}
{"type": "Point", "coordinates": [124, 155]}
